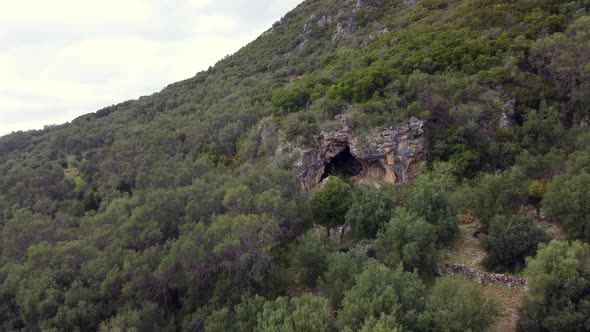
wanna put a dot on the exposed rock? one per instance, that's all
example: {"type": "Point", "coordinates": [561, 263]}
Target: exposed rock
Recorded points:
{"type": "Point", "coordinates": [411, 2]}
{"type": "Point", "coordinates": [392, 154]}
{"type": "Point", "coordinates": [337, 233]}
{"type": "Point", "coordinates": [483, 278]}
{"type": "Point", "coordinates": [506, 120]}
{"type": "Point", "coordinates": [341, 32]}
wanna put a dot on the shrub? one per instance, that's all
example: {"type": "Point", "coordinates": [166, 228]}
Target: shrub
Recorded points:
{"type": "Point", "coordinates": [305, 313]}
{"type": "Point", "coordinates": [510, 240]}
{"type": "Point", "coordinates": [330, 203]}
{"type": "Point", "coordinates": [559, 291]}
{"type": "Point", "coordinates": [309, 257]}
{"type": "Point", "coordinates": [407, 239]}
{"type": "Point", "coordinates": [536, 190]}
{"type": "Point", "coordinates": [458, 305]}
{"type": "Point", "coordinates": [567, 202]}
{"type": "Point", "coordinates": [370, 210]}
{"type": "Point", "coordinates": [341, 273]}
{"type": "Point", "coordinates": [381, 291]}
{"type": "Point", "coordinates": [429, 199]}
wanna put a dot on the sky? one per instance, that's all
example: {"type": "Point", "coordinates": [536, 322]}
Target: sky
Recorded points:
{"type": "Point", "coordinates": [63, 58]}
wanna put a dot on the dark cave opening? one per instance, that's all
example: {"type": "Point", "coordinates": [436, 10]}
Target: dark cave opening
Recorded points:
{"type": "Point", "coordinates": [343, 164]}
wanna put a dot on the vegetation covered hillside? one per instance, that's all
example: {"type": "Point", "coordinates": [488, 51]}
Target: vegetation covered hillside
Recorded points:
{"type": "Point", "coordinates": [173, 212]}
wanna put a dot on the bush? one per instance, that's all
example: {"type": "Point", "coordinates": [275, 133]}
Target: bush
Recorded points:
{"type": "Point", "coordinates": [559, 291]}
{"type": "Point", "coordinates": [567, 202]}
{"type": "Point", "coordinates": [407, 239]}
{"type": "Point", "coordinates": [370, 210]}
{"type": "Point", "coordinates": [501, 193]}
{"type": "Point", "coordinates": [382, 291]}
{"type": "Point", "coordinates": [330, 203]}
{"type": "Point", "coordinates": [309, 257]}
{"type": "Point", "coordinates": [510, 240]}
{"type": "Point", "coordinates": [305, 313]}
{"type": "Point", "coordinates": [429, 199]}
{"type": "Point", "coordinates": [458, 305]}
{"type": "Point", "coordinates": [339, 278]}
{"type": "Point", "coordinates": [288, 100]}
{"type": "Point", "coordinates": [536, 190]}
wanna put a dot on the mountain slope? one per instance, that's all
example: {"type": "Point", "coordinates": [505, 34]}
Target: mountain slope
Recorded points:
{"type": "Point", "coordinates": [173, 212]}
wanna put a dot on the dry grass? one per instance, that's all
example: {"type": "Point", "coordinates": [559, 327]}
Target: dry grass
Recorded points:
{"type": "Point", "coordinates": [541, 221]}
{"type": "Point", "coordinates": [466, 249]}
{"type": "Point", "coordinates": [510, 301]}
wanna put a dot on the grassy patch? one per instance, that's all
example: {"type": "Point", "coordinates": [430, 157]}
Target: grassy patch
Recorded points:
{"type": "Point", "coordinates": [510, 302]}
{"type": "Point", "coordinates": [465, 250]}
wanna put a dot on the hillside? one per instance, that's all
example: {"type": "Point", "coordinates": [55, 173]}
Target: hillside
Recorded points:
{"type": "Point", "coordinates": [311, 180]}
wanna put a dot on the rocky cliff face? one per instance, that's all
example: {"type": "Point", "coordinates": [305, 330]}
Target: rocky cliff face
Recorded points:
{"type": "Point", "coordinates": [391, 154]}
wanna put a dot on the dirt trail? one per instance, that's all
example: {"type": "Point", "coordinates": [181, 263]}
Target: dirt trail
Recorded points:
{"type": "Point", "coordinates": [467, 255]}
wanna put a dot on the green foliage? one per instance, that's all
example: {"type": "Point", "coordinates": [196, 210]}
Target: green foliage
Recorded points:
{"type": "Point", "coordinates": [558, 56]}
{"type": "Point", "coordinates": [240, 318]}
{"type": "Point", "coordinates": [381, 291]}
{"type": "Point", "coordinates": [458, 305]}
{"type": "Point", "coordinates": [429, 199]}
{"type": "Point", "coordinates": [567, 202]}
{"type": "Point", "coordinates": [298, 94]}
{"type": "Point", "coordinates": [330, 203]}
{"type": "Point", "coordinates": [408, 240]}
{"type": "Point", "coordinates": [309, 257]}
{"type": "Point", "coordinates": [289, 100]}
{"type": "Point", "coordinates": [542, 130]}
{"type": "Point", "coordinates": [146, 318]}
{"type": "Point", "coordinates": [537, 190]}
{"type": "Point", "coordinates": [301, 126]}
{"type": "Point", "coordinates": [174, 211]}
{"type": "Point", "coordinates": [500, 193]}
{"type": "Point", "coordinates": [559, 297]}
{"type": "Point", "coordinates": [371, 208]}
{"type": "Point", "coordinates": [299, 314]}
{"type": "Point", "coordinates": [341, 273]}
{"type": "Point", "coordinates": [510, 240]}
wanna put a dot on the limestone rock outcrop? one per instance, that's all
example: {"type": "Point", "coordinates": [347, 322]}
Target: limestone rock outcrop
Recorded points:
{"type": "Point", "coordinates": [393, 154]}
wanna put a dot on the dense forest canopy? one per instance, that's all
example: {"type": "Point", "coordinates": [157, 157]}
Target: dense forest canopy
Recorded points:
{"type": "Point", "coordinates": [173, 213]}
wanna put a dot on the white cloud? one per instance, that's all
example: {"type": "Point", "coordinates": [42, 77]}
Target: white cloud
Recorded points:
{"type": "Point", "coordinates": [63, 58]}
{"type": "Point", "coordinates": [74, 11]}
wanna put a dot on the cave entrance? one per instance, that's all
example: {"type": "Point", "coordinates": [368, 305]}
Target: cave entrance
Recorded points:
{"type": "Point", "coordinates": [343, 164]}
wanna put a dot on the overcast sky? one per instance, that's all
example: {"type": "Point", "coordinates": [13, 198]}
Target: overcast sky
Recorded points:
{"type": "Point", "coordinates": [63, 58]}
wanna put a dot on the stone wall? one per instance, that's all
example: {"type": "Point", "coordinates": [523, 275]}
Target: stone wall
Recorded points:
{"type": "Point", "coordinates": [483, 278]}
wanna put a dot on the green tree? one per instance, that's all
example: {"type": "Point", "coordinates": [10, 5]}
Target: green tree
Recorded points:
{"type": "Point", "coordinates": [309, 257]}
{"type": "Point", "coordinates": [241, 318]}
{"type": "Point", "coordinates": [371, 208]}
{"type": "Point", "coordinates": [147, 317]}
{"type": "Point", "coordinates": [430, 200]}
{"type": "Point", "coordinates": [559, 289]}
{"type": "Point", "coordinates": [542, 129]}
{"type": "Point", "coordinates": [381, 291]}
{"type": "Point", "coordinates": [510, 240]}
{"type": "Point", "coordinates": [408, 239]}
{"type": "Point", "coordinates": [299, 314]}
{"type": "Point", "coordinates": [330, 203]}
{"type": "Point", "coordinates": [458, 305]}
{"type": "Point", "coordinates": [500, 193]}
{"type": "Point", "coordinates": [561, 57]}
{"type": "Point", "coordinates": [567, 202]}
{"type": "Point", "coordinates": [341, 273]}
